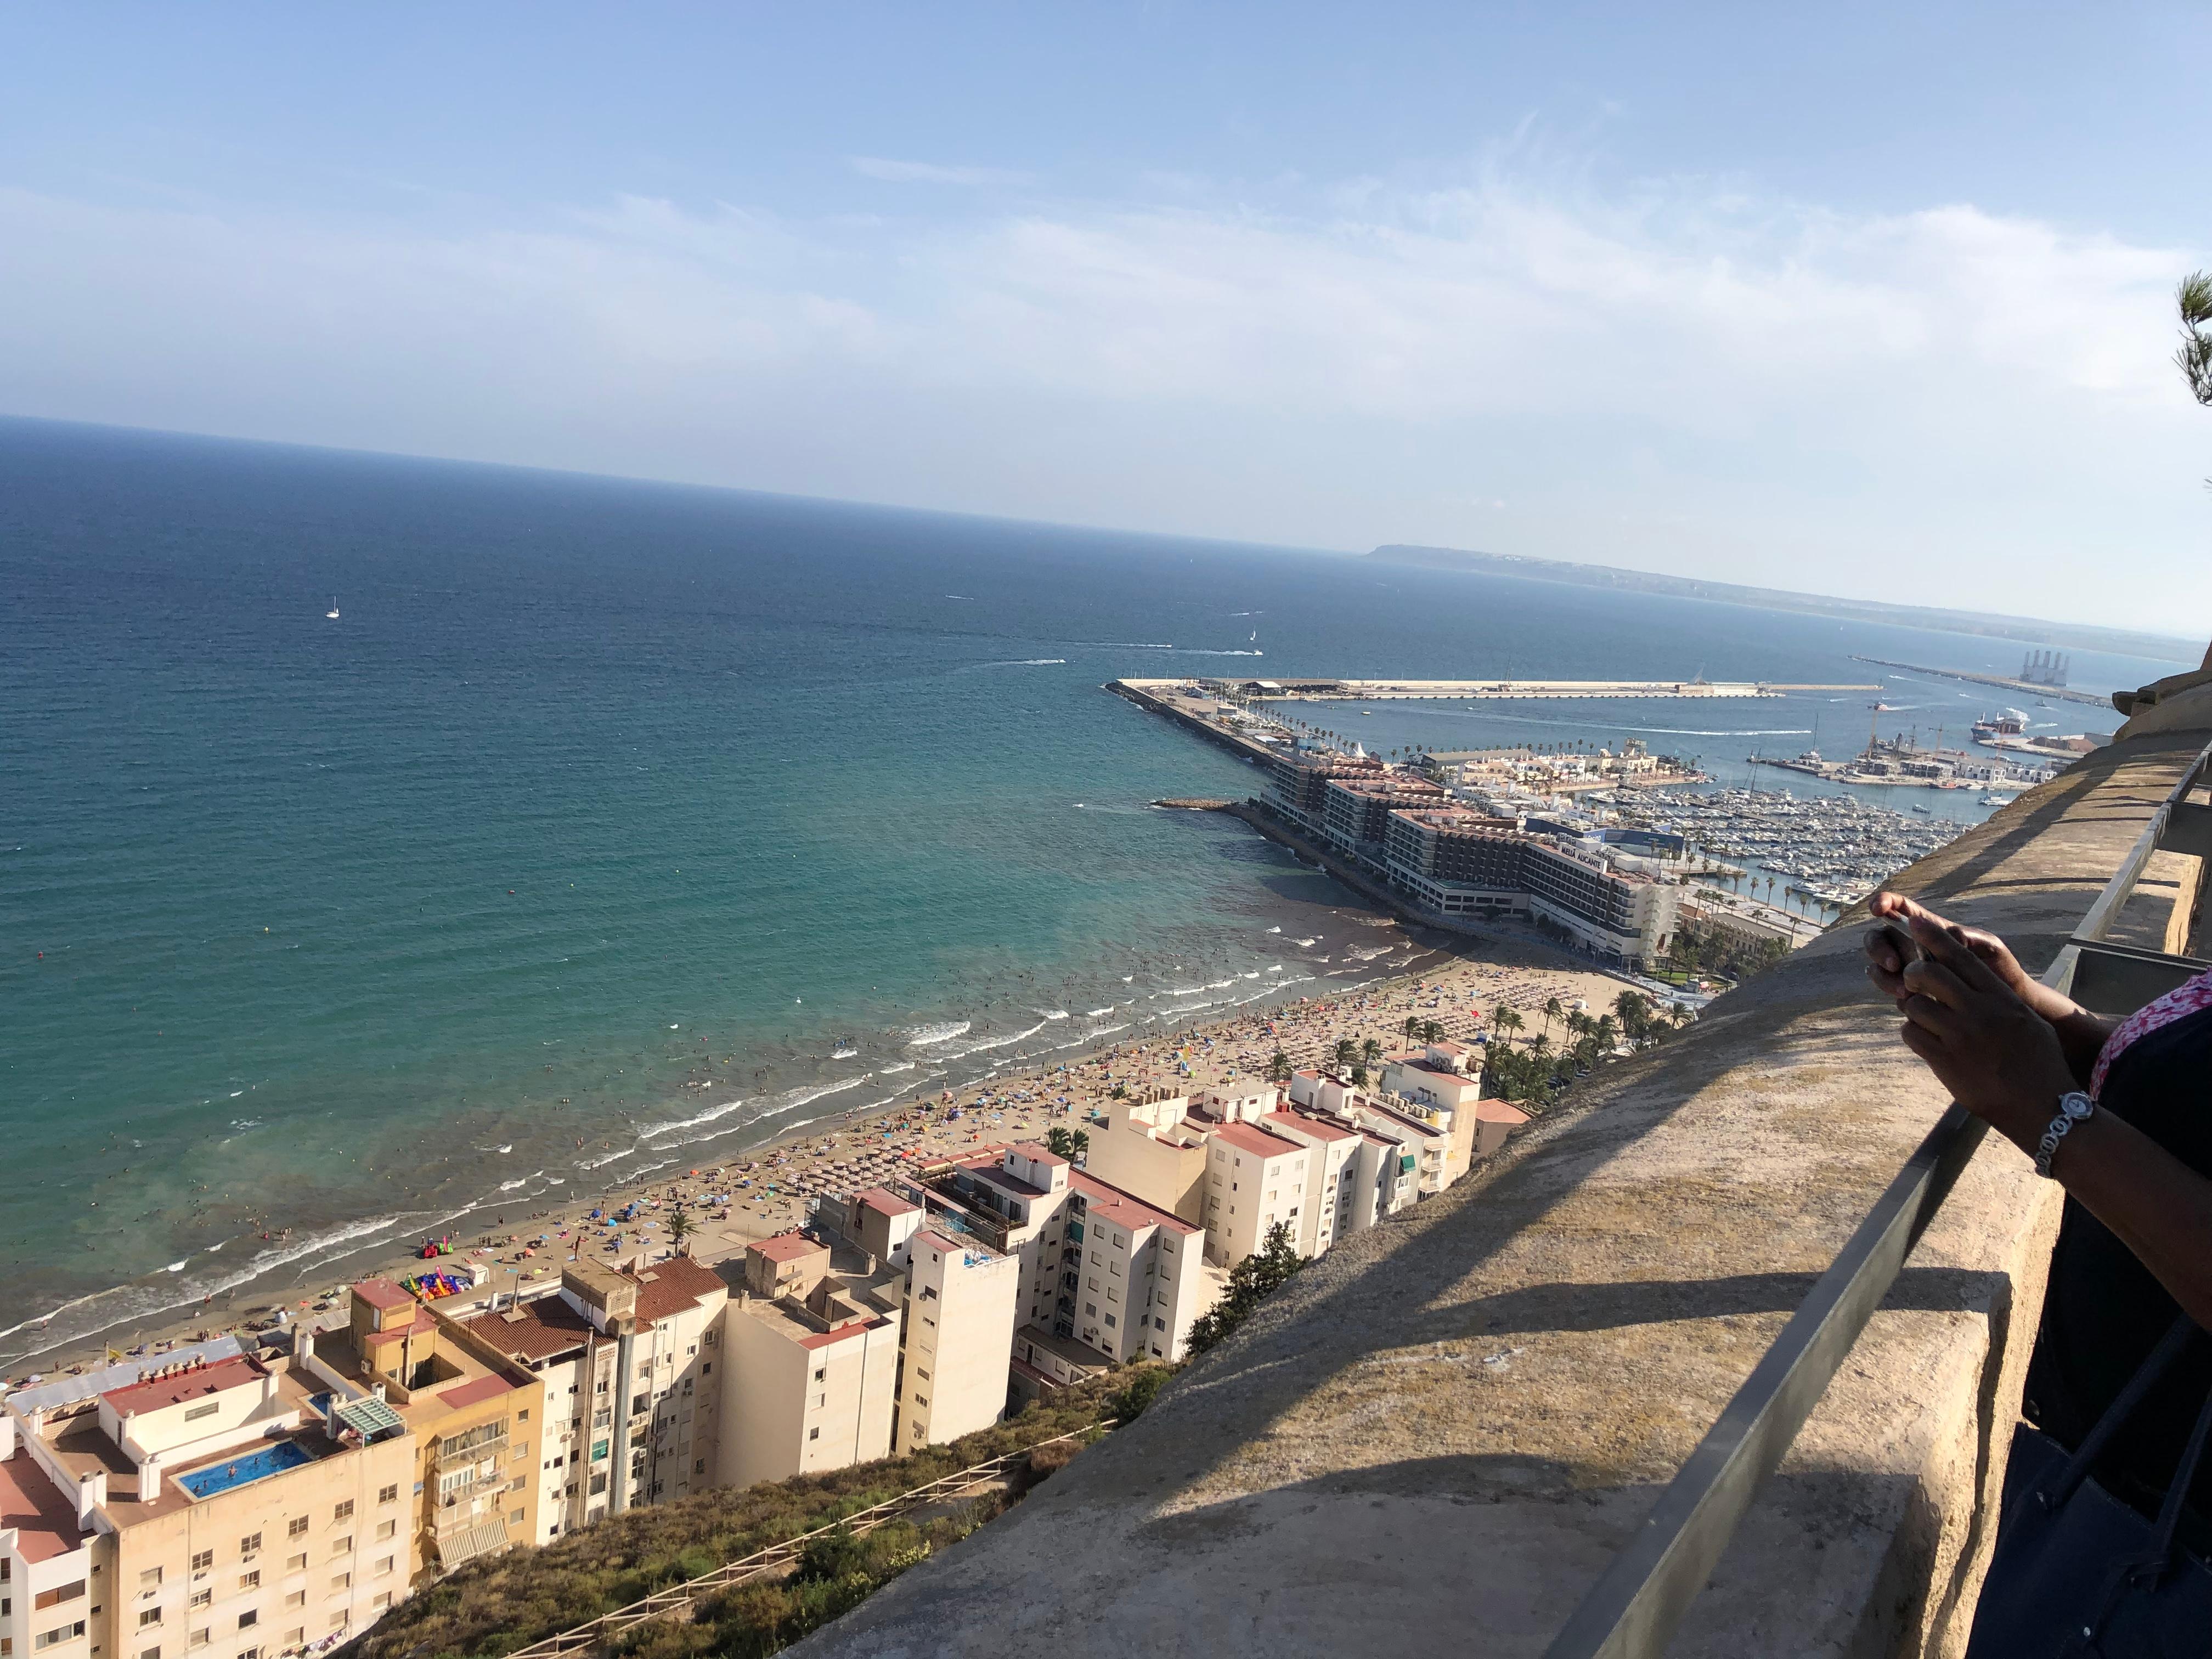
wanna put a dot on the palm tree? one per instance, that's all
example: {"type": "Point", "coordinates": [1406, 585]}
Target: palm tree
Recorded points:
{"type": "Point", "coordinates": [1347, 1051]}
{"type": "Point", "coordinates": [680, 1227]}
{"type": "Point", "coordinates": [1551, 1010]}
{"type": "Point", "coordinates": [1059, 1142]}
{"type": "Point", "coordinates": [1412, 1025]}
{"type": "Point", "coordinates": [1539, 1044]}
{"type": "Point", "coordinates": [1081, 1142]}
{"type": "Point", "coordinates": [1430, 1031]}
{"type": "Point", "coordinates": [1371, 1051]}
{"type": "Point", "coordinates": [1278, 1067]}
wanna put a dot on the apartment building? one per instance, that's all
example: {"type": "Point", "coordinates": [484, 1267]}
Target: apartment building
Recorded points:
{"type": "Point", "coordinates": [213, 1505]}
{"type": "Point", "coordinates": [1070, 1229]}
{"type": "Point", "coordinates": [626, 1357]}
{"type": "Point", "coordinates": [1332, 1174]}
{"type": "Point", "coordinates": [810, 1383]}
{"type": "Point", "coordinates": [956, 1337]}
{"type": "Point", "coordinates": [474, 1416]}
{"type": "Point", "coordinates": [1253, 1180]}
{"type": "Point", "coordinates": [1138, 1270]}
{"type": "Point", "coordinates": [1148, 1147]}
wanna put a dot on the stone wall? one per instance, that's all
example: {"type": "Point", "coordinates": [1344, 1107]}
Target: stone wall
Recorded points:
{"type": "Point", "coordinates": [1436, 1437]}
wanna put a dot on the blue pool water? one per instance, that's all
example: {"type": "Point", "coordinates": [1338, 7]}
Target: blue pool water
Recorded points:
{"type": "Point", "coordinates": [272, 1458]}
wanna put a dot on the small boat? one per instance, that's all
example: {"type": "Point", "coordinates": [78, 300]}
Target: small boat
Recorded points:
{"type": "Point", "coordinates": [332, 613]}
{"type": "Point", "coordinates": [1997, 800]}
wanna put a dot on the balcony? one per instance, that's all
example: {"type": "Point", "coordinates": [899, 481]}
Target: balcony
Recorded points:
{"type": "Point", "coordinates": [1444, 1436]}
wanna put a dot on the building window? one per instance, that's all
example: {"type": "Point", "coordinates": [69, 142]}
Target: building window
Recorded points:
{"type": "Point", "coordinates": [150, 1616]}
{"type": "Point", "coordinates": [250, 1544]}
{"type": "Point", "coordinates": [149, 1653]}
{"type": "Point", "coordinates": [383, 1601]}
{"type": "Point", "coordinates": [58, 1634]}
{"type": "Point", "coordinates": [385, 1528]}
{"type": "Point", "coordinates": [343, 1546]}
{"type": "Point", "coordinates": [389, 1495]}
{"type": "Point", "coordinates": [247, 1581]}
{"type": "Point", "coordinates": [814, 1434]}
{"type": "Point", "coordinates": [59, 1593]}
{"type": "Point", "coordinates": [199, 1637]}
{"type": "Point", "coordinates": [247, 1620]}
{"type": "Point", "coordinates": [296, 1526]}
{"type": "Point", "coordinates": [341, 1581]}
{"type": "Point", "coordinates": [338, 1621]}
{"type": "Point", "coordinates": [201, 1598]}
{"type": "Point", "coordinates": [296, 1598]}
{"type": "Point", "coordinates": [296, 1563]}
{"type": "Point", "coordinates": [149, 1578]}
{"type": "Point", "coordinates": [383, 1564]}
{"type": "Point", "coordinates": [344, 1512]}
{"type": "Point", "coordinates": [821, 1372]}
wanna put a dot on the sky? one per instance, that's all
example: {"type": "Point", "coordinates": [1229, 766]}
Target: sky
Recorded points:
{"type": "Point", "coordinates": [1875, 302]}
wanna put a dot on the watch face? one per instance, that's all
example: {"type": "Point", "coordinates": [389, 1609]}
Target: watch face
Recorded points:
{"type": "Point", "coordinates": [2077, 1107]}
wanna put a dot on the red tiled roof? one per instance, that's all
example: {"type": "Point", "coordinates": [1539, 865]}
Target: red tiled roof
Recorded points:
{"type": "Point", "coordinates": [1498, 1111]}
{"type": "Point", "coordinates": [830, 1338]}
{"type": "Point", "coordinates": [43, 1521]}
{"type": "Point", "coordinates": [545, 1327]}
{"type": "Point", "coordinates": [196, 1384]}
{"type": "Point", "coordinates": [1124, 1208]}
{"type": "Point", "coordinates": [470, 1393]}
{"type": "Point", "coordinates": [670, 1286]}
{"type": "Point", "coordinates": [787, 1247]}
{"type": "Point", "coordinates": [1249, 1138]}
{"type": "Point", "coordinates": [883, 1202]}
{"type": "Point", "coordinates": [1310, 1126]}
{"type": "Point", "coordinates": [381, 1293]}
{"type": "Point", "coordinates": [1037, 1154]}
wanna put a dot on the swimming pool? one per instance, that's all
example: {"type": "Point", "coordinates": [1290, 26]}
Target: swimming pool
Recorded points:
{"type": "Point", "coordinates": [272, 1458]}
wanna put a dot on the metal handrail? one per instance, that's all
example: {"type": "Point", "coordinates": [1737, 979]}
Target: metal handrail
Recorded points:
{"type": "Point", "coordinates": [1632, 1610]}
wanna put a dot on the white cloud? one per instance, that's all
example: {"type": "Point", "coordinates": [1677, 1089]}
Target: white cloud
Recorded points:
{"type": "Point", "coordinates": [1945, 405]}
{"type": "Point", "coordinates": [928, 172]}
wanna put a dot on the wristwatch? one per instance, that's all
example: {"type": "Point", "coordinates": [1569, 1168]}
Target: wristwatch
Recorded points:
{"type": "Point", "coordinates": [2072, 1109]}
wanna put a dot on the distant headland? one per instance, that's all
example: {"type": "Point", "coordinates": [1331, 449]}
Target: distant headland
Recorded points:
{"type": "Point", "coordinates": [2077, 635]}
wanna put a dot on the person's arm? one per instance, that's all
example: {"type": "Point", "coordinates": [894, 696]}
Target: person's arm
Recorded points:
{"type": "Point", "coordinates": [1890, 950]}
{"type": "Point", "coordinates": [2005, 1063]}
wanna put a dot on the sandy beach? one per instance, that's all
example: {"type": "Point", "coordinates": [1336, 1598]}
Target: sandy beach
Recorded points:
{"type": "Point", "coordinates": [767, 1188]}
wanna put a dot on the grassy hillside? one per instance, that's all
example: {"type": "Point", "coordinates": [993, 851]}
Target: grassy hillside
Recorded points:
{"type": "Point", "coordinates": [493, 1606]}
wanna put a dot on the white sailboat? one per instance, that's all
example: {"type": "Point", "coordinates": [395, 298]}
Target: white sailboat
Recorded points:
{"type": "Point", "coordinates": [332, 613]}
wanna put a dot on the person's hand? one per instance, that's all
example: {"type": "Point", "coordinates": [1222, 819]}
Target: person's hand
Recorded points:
{"type": "Point", "coordinates": [1890, 948]}
{"type": "Point", "coordinates": [2001, 1059]}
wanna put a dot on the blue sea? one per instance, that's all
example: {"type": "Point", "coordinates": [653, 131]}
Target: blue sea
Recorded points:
{"type": "Point", "coordinates": [614, 826]}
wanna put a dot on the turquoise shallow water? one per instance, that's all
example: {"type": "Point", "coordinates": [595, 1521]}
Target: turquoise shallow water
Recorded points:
{"type": "Point", "coordinates": [606, 817]}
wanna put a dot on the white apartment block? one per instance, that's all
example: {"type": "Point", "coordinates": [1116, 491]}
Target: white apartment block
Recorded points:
{"type": "Point", "coordinates": [809, 1384]}
{"type": "Point", "coordinates": [1332, 1174]}
{"type": "Point", "coordinates": [1149, 1266]}
{"type": "Point", "coordinates": [1253, 1180]}
{"type": "Point", "coordinates": [958, 1337]}
{"type": "Point", "coordinates": [629, 1361]}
